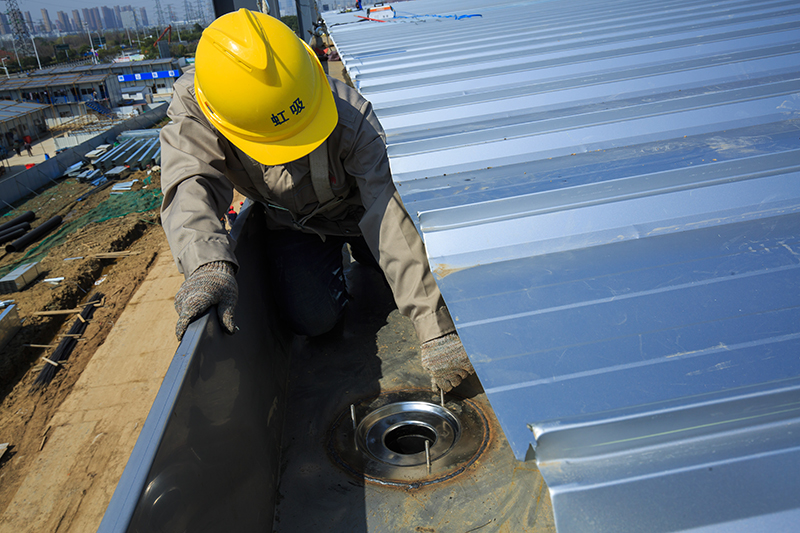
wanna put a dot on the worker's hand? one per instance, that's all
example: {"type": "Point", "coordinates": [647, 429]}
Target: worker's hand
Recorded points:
{"type": "Point", "coordinates": [212, 283]}
{"type": "Point", "coordinates": [446, 361]}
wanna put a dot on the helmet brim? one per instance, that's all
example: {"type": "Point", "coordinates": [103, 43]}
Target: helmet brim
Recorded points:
{"type": "Point", "coordinates": [279, 152]}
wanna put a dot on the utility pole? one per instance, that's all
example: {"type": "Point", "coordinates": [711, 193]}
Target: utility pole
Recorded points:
{"type": "Point", "coordinates": [16, 54]}
{"type": "Point", "coordinates": [36, 53]}
{"type": "Point", "coordinates": [86, 26]}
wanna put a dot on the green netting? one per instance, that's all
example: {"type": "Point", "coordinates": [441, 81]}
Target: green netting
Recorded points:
{"type": "Point", "coordinates": [115, 206]}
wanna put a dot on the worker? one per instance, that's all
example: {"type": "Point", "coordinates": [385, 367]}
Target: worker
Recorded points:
{"type": "Point", "coordinates": [231, 215]}
{"type": "Point", "coordinates": [258, 114]}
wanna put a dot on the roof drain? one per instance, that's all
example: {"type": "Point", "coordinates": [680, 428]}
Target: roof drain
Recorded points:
{"type": "Point", "coordinates": [407, 439]}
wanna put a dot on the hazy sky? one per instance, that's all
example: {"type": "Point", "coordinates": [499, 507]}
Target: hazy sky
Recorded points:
{"type": "Point", "coordinates": [54, 6]}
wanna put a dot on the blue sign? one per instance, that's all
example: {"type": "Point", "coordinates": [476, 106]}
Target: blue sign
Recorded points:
{"type": "Point", "coordinates": [149, 75]}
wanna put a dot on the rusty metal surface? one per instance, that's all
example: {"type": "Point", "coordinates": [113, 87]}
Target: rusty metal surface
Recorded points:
{"type": "Point", "coordinates": [348, 449]}
{"type": "Point", "coordinates": [378, 351]}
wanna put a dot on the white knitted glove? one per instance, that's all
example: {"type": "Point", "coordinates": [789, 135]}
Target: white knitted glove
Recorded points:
{"type": "Point", "coordinates": [446, 361]}
{"type": "Point", "coordinates": [212, 283]}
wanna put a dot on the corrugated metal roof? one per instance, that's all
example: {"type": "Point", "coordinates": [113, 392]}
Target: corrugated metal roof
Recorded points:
{"type": "Point", "coordinates": [609, 196]}
{"type": "Point", "coordinates": [103, 67]}
{"type": "Point", "coordinates": [36, 82]}
{"type": "Point", "coordinates": [10, 109]}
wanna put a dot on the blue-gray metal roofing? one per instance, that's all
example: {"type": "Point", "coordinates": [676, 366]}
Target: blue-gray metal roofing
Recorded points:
{"type": "Point", "coordinates": [12, 110]}
{"type": "Point", "coordinates": [609, 196]}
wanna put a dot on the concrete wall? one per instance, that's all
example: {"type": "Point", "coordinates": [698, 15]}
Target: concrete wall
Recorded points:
{"type": "Point", "coordinates": [74, 139]}
{"type": "Point", "coordinates": [20, 185]}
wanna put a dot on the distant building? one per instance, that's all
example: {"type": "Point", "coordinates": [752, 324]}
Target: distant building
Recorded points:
{"type": "Point", "coordinates": [109, 19]}
{"type": "Point", "coordinates": [63, 19]}
{"type": "Point", "coordinates": [29, 22]}
{"type": "Point", "coordinates": [87, 19]}
{"type": "Point", "coordinates": [66, 91]}
{"type": "Point", "coordinates": [46, 24]}
{"type": "Point", "coordinates": [77, 23]}
{"type": "Point", "coordinates": [143, 18]}
{"type": "Point", "coordinates": [117, 17]}
{"type": "Point", "coordinates": [5, 28]}
{"type": "Point", "coordinates": [288, 8]}
{"type": "Point", "coordinates": [130, 20]}
{"type": "Point", "coordinates": [19, 119]}
{"type": "Point", "coordinates": [95, 20]}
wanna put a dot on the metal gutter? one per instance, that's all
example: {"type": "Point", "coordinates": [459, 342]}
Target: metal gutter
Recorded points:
{"type": "Point", "coordinates": [208, 455]}
{"type": "Point", "coordinates": [609, 195]}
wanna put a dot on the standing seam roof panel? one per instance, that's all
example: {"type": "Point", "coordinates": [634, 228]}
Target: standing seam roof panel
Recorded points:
{"type": "Point", "coordinates": [609, 194]}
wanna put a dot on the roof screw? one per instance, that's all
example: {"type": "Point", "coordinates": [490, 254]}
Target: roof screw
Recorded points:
{"type": "Point", "coordinates": [428, 454]}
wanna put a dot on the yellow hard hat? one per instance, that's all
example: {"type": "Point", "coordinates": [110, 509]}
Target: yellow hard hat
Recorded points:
{"type": "Point", "coordinates": [263, 88]}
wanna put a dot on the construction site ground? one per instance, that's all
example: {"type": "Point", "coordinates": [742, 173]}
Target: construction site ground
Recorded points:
{"type": "Point", "coordinates": [69, 441]}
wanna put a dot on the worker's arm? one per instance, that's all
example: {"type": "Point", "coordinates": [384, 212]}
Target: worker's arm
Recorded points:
{"type": "Point", "coordinates": [196, 191]}
{"type": "Point", "coordinates": [196, 195]}
{"type": "Point", "coordinates": [386, 225]}
{"type": "Point", "coordinates": [398, 247]}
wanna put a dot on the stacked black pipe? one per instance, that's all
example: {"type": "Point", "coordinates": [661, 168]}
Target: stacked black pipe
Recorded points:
{"type": "Point", "coordinates": [16, 227]}
{"type": "Point", "coordinates": [14, 232]}
{"type": "Point", "coordinates": [24, 217]}
{"type": "Point", "coordinates": [34, 235]}
{"type": "Point", "coordinates": [67, 344]}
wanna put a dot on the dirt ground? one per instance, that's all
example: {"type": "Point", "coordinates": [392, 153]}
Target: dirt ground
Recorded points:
{"type": "Point", "coordinates": [25, 412]}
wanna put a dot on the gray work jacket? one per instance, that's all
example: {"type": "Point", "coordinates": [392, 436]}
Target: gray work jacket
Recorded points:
{"type": "Point", "coordinates": [200, 168]}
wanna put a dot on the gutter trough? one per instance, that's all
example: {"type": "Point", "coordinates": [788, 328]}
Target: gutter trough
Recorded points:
{"type": "Point", "coordinates": [253, 431]}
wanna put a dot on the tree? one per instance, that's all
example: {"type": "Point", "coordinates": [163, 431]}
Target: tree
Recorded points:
{"type": "Point", "coordinates": [291, 21]}
{"type": "Point", "coordinates": [149, 49]}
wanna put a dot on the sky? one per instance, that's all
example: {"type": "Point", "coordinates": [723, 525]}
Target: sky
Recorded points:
{"type": "Point", "coordinates": [54, 6]}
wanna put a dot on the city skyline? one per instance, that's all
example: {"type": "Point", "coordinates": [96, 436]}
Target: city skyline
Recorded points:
{"type": "Point", "coordinates": [129, 15]}
{"type": "Point", "coordinates": [79, 20]}
{"type": "Point", "coordinates": [111, 16]}
{"type": "Point", "coordinates": [34, 7]}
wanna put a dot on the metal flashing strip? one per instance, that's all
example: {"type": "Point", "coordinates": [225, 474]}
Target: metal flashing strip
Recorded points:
{"type": "Point", "coordinates": [610, 201]}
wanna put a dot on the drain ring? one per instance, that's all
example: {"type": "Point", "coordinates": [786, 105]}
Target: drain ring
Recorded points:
{"type": "Point", "coordinates": [387, 445]}
{"type": "Point", "coordinates": [395, 433]}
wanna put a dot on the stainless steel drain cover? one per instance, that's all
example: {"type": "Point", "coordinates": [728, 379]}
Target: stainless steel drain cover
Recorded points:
{"type": "Point", "coordinates": [396, 433]}
{"type": "Point", "coordinates": [387, 441]}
